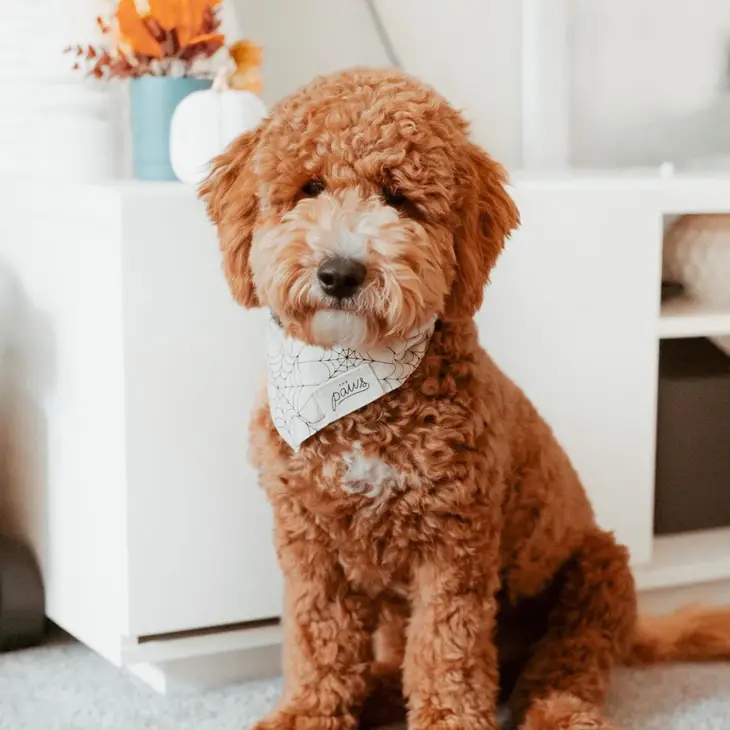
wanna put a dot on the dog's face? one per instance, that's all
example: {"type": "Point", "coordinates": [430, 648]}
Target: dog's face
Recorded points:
{"type": "Point", "coordinates": [359, 210]}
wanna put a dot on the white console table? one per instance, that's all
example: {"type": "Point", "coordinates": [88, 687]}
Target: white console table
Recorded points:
{"type": "Point", "coordinates": [133, 374]}
{"type": "Point", "coordinates": [574, 315]}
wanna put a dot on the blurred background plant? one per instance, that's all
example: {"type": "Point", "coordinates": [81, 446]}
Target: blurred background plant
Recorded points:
{"type": "Point", "coordinates": [167, 49]}
{"type": "Point", "coordinates": [175, 38]}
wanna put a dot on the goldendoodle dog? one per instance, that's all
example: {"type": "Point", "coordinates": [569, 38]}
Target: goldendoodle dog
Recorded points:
{"type": "Point", "coordinates": [429, 526]}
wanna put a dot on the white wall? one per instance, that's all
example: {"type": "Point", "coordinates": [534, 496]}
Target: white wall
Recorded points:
{"type": "Point", "coordinates": [468, 49]}
{"type": "Point", "coordinates": [650, 80]}
{"type": "Point", "coordinates": [304, 39]}
{"type": "Point", "coordinates": [648, 76]}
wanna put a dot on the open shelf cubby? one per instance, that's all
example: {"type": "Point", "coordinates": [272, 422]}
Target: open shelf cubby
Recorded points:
{"type": "Point", "coordinates": [682, 559]}
{"type": "Point", "coordinates": [684, 317]}
{"type": "Point", "coordinates": [692, 478]}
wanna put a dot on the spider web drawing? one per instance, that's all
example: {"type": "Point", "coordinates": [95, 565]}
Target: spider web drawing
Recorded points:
{"type": "Point", "coordinates": [297, 370]}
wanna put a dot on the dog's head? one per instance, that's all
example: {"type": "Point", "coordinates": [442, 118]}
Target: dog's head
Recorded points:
{"type": "Point", "coordinates": [359, 210]}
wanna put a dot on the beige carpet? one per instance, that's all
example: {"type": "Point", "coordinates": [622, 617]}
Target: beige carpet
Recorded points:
{"type": "Point", "coordinates": [66, 687]}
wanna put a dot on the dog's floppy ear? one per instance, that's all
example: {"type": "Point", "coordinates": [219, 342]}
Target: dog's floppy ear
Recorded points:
{"type": "Point", "coordinates": [488, 216]}
{"type": "Point", "coordinates": [229, 193]}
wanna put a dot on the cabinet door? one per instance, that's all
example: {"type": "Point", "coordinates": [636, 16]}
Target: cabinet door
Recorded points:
{"type": "Point", "coordinates": [199, 530]}
{"type": "Point", "coordinates": [571, 316]}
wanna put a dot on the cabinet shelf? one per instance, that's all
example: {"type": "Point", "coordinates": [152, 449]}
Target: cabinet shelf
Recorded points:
{"type": "Point", "coordinates": [685, 317]}
{"type": "Point", "coordinates": [688, 558]}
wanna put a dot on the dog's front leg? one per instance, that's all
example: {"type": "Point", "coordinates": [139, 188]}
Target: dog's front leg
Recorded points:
{"type": "Point", "coordinates": [450, 674]}
{"type": "Point", "coordinates": [328, 643]}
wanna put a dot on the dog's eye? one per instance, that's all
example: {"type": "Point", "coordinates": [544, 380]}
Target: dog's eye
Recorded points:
{"type": "Point", "coordinates": [312, 188]}
{"type": "Point", "coordinates": [394, 198]}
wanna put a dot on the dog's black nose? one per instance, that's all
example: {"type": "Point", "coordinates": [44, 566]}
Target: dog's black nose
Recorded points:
{"type": "Point", "coordinates": [341, 277]}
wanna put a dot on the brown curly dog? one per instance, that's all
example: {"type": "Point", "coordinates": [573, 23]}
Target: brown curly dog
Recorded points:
{"type": "Point", "coordinates": [479, 572]}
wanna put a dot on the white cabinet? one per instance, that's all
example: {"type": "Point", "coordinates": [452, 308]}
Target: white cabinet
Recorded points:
{"type": "Point", "coordinates": [132, 374]}
{"type": "Point", "coordinates": [571, 316]}
{"type": "Point", "coordinates": [574, 316]}
{"type": "Point", "coordinates": [140, 372]}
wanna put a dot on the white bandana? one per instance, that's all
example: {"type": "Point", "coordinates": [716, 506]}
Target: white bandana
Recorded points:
{"type": "Point", "coordinates": [310, 386]}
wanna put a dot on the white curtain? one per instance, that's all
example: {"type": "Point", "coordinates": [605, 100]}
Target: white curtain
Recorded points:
{"type": "Point", "coordinates": [18, 71]}
{"type": "Point", "coordinates": [53, 122]}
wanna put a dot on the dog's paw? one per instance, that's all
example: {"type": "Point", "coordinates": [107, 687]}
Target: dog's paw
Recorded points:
{"type": "Point", "coordinates": [486, 720]}
{"type": "Point", "coordinates": [564, 712]}
{"type": "Point", "coordinates": [292, 719]}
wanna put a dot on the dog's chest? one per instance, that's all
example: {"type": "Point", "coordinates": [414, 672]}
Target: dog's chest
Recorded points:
{"type": "Point", "coordinates": [368, 476]}
{"type": "Point", "coordinates": [366, 518]}
{"type": "Point", "coordinates": [367, 497]}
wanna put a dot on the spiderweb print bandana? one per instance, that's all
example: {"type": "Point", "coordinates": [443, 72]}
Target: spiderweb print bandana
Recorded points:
{"type": "Point", "coordinates": [311, 387]}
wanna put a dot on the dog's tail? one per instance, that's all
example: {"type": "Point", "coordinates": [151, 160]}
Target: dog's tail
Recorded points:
{"type": "Point", "coordinates": [691, 634]}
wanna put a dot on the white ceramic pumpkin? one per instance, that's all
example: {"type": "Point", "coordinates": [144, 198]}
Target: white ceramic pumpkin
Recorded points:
{"type": "Point", "coordinates": [205, 123]}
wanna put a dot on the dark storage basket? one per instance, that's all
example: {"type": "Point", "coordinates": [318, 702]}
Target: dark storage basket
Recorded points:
{"type": "Point", "coordinates": [693, 437]}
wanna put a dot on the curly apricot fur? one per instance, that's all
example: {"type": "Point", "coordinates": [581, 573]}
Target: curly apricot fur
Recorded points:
{"type": "Point", "coordinates": [484, 572]}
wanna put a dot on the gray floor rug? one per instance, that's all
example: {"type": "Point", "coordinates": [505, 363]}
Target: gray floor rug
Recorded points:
{"type": "Point", "coordinates": [64, 686]}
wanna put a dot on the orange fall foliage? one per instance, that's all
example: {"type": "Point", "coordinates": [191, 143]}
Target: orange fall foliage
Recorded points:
{"type": "Point", "coordinates": [134, 30]}
{"type": "Point", "coordinates": [164, 12]}
{"type": "Point", "coordinates": [185, 17]}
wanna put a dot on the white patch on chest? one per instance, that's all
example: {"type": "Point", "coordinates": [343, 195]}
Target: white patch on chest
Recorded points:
{"type": "Point", "coordinates": [368, 475]}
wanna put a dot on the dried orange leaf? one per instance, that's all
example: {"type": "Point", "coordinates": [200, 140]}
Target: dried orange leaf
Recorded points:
{"type": "Point", "coordinates": [207, 37]}
{"type": "Point", "coordinates": [165, 12]}
{"type": "Point", "coordinates": [190, 19]}
{"type": "Point", "coordinates": [184, 21]}
{"type": "Point", "coordinates": [135, 32]}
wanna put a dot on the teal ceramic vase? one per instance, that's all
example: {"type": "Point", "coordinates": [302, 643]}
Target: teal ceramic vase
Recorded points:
{"type": "Point", "coordinates": [154, 100]}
